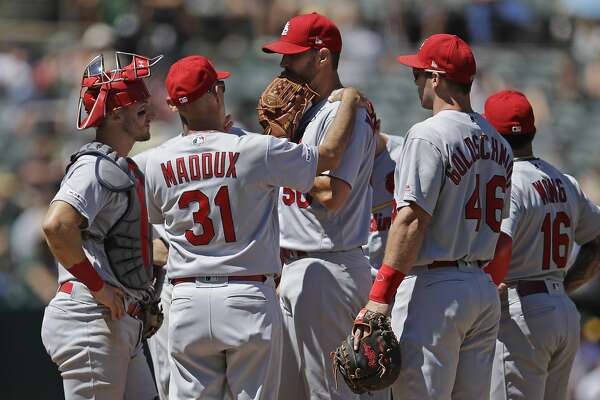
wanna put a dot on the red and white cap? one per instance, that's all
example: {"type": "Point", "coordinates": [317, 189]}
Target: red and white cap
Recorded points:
{"type": "Point", "coordinates": [190, 78]}
{"type": "Point", "coordinates": [305, 32]}
{"type": "Point", "coordinates": [510, 113]}
{"type": "Point", "coordinates": [446, 54]}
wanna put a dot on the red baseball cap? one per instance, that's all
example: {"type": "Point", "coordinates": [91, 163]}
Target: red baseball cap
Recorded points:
{"type": "Point", "coordinates": [191, 77]}
{"type": "Point", "coordinates": [305, 32]}
{"type": "Point", "coordinates": [510, 113]}
{"type": "Point", "coordinates": [444, 53]}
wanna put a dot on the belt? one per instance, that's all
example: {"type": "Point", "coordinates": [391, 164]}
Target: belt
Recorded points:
{"type": "Point", "coordinates": [289, 253]}
{"type": "Point", "coordinates": [525, 288]}
{"type": "Point", "coordinates": [133, 309]}
{"type": "Point", "coordinates": [442, 264]}
{"type": "Point", "coordinates": [253, 278]}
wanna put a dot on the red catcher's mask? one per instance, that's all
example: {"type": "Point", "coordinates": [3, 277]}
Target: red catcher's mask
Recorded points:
{"type": "Point", "coordinates": [105, 91]}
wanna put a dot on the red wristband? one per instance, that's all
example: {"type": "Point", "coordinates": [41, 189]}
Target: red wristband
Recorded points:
{"type": "Point", "coordinates": [386, 283]}
{"type": "Point", "coordinates": [86, 274]}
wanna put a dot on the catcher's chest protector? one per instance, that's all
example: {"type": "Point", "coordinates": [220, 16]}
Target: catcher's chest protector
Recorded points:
{"type": "Point", "coordinates": [128, 244]}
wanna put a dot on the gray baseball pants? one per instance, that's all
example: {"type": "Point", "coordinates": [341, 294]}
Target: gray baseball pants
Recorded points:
{"type": "Point", "coordinates": [447, 321]}
{"type": "Point", "coordinates": [537, 343]}
{"type": "Point", "coordinates": [320, 295]}
{"type": "Point", "coordinates": [98, 359]}
{"type": "Point", "coordinates": [224, 340]}
{"type": "Point", "coordinates": [158, 345]}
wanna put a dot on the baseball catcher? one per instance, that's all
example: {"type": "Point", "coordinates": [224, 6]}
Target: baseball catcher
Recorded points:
{"type": "Point", "coordinates": [372, 362]}
{"type": "Point", "coordinates": [282, 104]}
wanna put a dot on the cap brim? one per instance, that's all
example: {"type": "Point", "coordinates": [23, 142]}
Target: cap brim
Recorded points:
{"type": "Point", "coordinates": [223, 75]}
{"type": "Point", "coordinates": [411, 60]}
{"type": "Point", "coordinates": [282, 47]}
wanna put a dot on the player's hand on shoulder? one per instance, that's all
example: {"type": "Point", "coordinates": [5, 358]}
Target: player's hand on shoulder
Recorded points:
{"type": "Point", "coordinates": [349, 94]}
{"type": "Point", "coordinates": [112, 298]}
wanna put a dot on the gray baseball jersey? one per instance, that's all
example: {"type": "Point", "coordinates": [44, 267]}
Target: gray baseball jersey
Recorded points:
{"type": "Point", "coordinates": [307, 225]}
{"type": "Point", "coordinates": [549, 211]}
{"type": "Point", "coordinates": [101, 208]}
{"type": "Point", "coordinates": [216, 195]}
{"type": "Point", "coordinates": [457, 168]}
{"type": "Point", "coordinates": [539, 332]}
{"type": "Point", "coordinates": [382, 182]}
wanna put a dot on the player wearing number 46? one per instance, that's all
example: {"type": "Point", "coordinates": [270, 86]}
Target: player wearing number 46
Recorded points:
{"type": "Point", "coordinates": [452, 188]}
{"type": "Point", "coordinates": [216, 195]}
{"type": "Point", "coordinates": [539, 329]}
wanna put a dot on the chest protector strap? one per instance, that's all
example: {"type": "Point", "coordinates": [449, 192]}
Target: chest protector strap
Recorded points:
{"type": "Point", "coordinates": [128, 243]}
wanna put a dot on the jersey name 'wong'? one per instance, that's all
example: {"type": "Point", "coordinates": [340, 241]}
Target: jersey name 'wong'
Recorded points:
{"type": "Point", "coordinates": [476, 147]}
{"type": "Point", "coordinates": [551, 190]}
{"type": "Point", "coordinates": [200, 166]}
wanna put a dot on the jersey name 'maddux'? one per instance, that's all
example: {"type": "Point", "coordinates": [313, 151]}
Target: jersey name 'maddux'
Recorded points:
{"type": "Point", "coordinates": [480, 147]}
{"type": "Point", "coordinates": [200, 166]}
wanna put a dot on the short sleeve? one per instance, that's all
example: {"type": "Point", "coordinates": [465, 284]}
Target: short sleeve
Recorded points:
{"type": "Point", "coordinates": [588, 223]}
{"type": "Point", "coordinates": [155, 215]}
{"type": "Point", "coordinates": [511, 223]}
{"type": "Point", "coordinates": [291, 165]}
{"type": "Point", "coordinates": [419, 175]}
{"type": "Point", "coordinates": [82, 191]}
{"type": "Point", "coordinates": [355, 151]}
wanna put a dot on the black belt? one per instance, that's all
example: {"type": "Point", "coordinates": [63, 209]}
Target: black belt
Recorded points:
{"type": "Point", "coordinates": [445, 264]}
{"type": "Point", "coordinates": [525, 288]}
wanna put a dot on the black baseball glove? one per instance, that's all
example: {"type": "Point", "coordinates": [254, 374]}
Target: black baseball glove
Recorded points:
{"type": "Point", "coordinates": [376, 363]}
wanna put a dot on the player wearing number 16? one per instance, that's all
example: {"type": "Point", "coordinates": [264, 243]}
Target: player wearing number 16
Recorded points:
{"type": "Point", "coordinates": [216, 195]}
{"type": "Point", "coordinates": [539, 329]}
{"type": "Point", "coordinates": [452, 189]}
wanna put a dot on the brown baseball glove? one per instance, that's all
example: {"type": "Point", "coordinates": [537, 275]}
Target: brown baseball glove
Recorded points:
{"type": "Point", "coordinates": [282, 104]}
{"type": "Point", "coordinates": [376, 363]}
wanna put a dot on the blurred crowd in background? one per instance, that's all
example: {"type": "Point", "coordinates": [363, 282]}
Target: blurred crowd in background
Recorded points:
{"type": "Point", "coordinates": [549, 49]}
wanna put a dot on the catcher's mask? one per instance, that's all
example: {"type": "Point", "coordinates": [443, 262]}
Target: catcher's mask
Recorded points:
{"type": "Point", "coordinates": [105, 91]}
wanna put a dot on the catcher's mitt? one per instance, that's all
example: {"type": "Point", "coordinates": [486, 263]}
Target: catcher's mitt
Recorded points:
{"type": "Point", "coordinates": [149, 310]}
{"type": "Point", "coordinates": [151, 316]}
{"type": "Point", "coordinates": [282, 104]}
{"type": "Point", "coordinates": [376, 363]}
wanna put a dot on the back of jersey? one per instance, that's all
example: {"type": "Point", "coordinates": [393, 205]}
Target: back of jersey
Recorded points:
{"type": "Point", "coordinates": [308, 225]}
{"type": "Point", "coordinates": [457, 168]}
{"type": "Point", "coordinates": [548, 213]}
{"type": "Point", "coordinates": [217, 196]}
